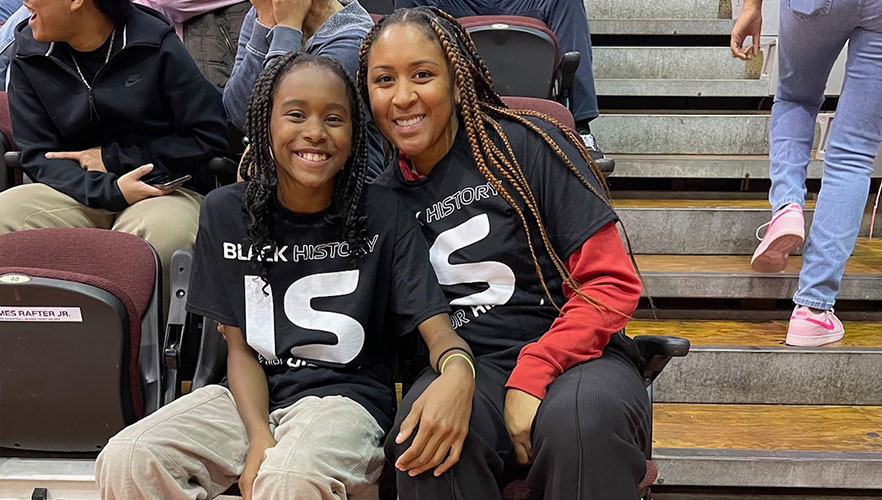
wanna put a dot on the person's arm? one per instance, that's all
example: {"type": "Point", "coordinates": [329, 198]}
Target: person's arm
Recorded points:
{"type": "Point", "coordinates": [251, 393]}
{"type": "Point", "coordinates": [749, 23]}
{"type": "Point", "coordinates": [442, 411]}
{"type": "Point", "coordinates": [258, 44]}
{"type": "Point", "coordinates": [579, 334]}
{"type": "Point", "coordinates": [36, 135]}
{"type": "Point", "coordinates": [199, 131]}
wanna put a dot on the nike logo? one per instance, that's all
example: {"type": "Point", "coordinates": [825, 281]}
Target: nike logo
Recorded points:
{"type": "Point", "coordinates": [133, 79]}
{"type": "Point", "coordinates": [826, 324]}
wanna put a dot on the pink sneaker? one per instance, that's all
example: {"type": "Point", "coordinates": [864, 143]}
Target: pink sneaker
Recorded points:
{"type": "Point", "coordinates": [785, 232]}
{"type": "Point", "coordinates": [810, 330]}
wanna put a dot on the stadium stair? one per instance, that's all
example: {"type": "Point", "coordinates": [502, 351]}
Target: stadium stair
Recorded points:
{"type": "Point", "coordinates": [743, 416]}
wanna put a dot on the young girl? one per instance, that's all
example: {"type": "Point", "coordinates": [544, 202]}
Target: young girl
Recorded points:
{"type": "Point", "coordinates": [311, 274]}
{"type": "Point", "coordinates": [523, 240]}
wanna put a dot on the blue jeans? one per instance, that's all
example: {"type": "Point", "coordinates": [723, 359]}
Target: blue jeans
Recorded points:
{"type": "Point", "coordinates": [566, 18]}
{"type": "Point", "coordinates": [811, 36]}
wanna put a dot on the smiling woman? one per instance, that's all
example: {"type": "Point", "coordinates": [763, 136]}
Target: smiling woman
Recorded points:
{"type": "Point", "coordinates": [311, 274]}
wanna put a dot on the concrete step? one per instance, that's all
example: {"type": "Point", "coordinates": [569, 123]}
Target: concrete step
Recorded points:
{"type": "Point", "coordinates": [716, 227]}
{"type": "Point", "coordinates": [670, 9]}
{"type": "Point", "coordinates": [741, 362]}
{"type": "Point", "coordinates": [672, 63]}
{"type": "Point", "coordinates": [768, 445]}
{"type": "Point", "coordinates": [64, 478]}
{"type": "Point", "coordinates": [709, 166]}
{"type": "Point", "coordinates": [684, 88]}
{"type": "Point", "coordinates": [660, 26]}
{"type": "Point", "coordinates": [730, 276]}
{"type": "Point", "coordinates": [641, 133]}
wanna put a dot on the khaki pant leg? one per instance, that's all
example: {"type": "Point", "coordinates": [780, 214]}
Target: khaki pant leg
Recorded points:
{"type": "Point", "coordinates": [38, 206]}
{"type": "Point", "coordinates": [168, 222]}
{"type": "Point", "coordinates": [328, 448]}
{"type": "Point", "coordinates": [192, 448]}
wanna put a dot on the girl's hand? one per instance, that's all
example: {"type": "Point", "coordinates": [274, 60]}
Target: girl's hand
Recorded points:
{"type": "Point", "coordinates": [442, 414]}
{"type": "Point", "coordinates": [256, 451]}
{"type": "Point", "coordinates": [520, 411]}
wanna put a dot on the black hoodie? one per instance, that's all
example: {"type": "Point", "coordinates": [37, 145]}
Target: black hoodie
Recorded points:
{"type": "Point", "coordinates": [149, 104]}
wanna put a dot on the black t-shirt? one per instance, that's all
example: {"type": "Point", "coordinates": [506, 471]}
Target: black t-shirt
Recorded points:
{"type": "Point", "coordinates": [478, 245]}
{"type": "Point", "coordinates": [327, 327]}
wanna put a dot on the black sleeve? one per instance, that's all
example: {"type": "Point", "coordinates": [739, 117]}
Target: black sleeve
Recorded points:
{"type": "Point", "coordinates": [570, 210]}
{"type": "Point", "coordinates": [209, 295]}
{"type": "Point", "coordinates": [416, 295]}
{"type": "Point", "coordinates": [200, 128]}
{"type": "Point", "coordinates": [36, 135]}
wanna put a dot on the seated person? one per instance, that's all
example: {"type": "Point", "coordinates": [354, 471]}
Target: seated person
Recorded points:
{"type": "Point", "coordinates": [102, 95]}
{"type": "Point", "coordinates": [332, 28]}
{"type": "Point", "coordinates": [310, 273]}
{"type": "Point", "coordinates": [569, 22]}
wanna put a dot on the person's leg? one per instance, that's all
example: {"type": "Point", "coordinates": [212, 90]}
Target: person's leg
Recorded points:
{"type": "Point", "coordinates": [168, 222]}
{"type": "Point", "coordinates": [848, 163]}
{"type": "Point", "coordinates": [807, 49]}
{"type": "Point", "coordinates": [592, 428]}
{"type": "Point", "coordinates": [194, 447]}
{"type": "Point", "coordinates": [38, 206]}
{"type": "Point", "coordinates": [327, 448]}
{"type": "Point", "coordinates": [487, 449]}
{"type": "Point", "coordinates": [811, 36]}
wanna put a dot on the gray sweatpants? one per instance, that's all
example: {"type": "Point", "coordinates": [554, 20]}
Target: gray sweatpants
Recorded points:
{"type": "Point", "coordinates": [328, 448]}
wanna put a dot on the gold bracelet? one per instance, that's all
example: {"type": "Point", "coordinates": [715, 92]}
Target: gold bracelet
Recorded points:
{"type": "Point", "coordinates": [463, 356]}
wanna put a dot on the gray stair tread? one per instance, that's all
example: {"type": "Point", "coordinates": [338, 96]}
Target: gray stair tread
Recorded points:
{"type": "Point", "coordinates": [730, 276]}
{"type": "Point", "coordinates": [660, 26]}
{"type": "Point", "coordinates": [670, 9]}
{"type": "Point", "coordinates": [683, 133]}
{"type": "Point", "coordinates": [713, 63]}
{"type": "Point", "coordinates": [699, 166]}
{"type": "Point", "coordinates": [768, 445]}
{"type": "Point", "coordinates": [745, 362]}
{"type": "Point", "coordinates": [667, 87]}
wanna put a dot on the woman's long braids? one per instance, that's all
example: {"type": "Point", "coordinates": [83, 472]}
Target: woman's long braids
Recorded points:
{"type": "Point", "coordinates": [480, 107]}
{"type": "Point", "coordinates": [258, 167]}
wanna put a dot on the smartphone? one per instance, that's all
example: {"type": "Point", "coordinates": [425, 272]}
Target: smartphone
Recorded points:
{"type": "Point", "coordinates": [166, 181]}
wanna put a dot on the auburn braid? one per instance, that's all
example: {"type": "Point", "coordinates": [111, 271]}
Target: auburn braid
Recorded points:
{"type": "Point", "coordinates": [258, 167]}
{"type": "Point", "coordinates": [480, 107]}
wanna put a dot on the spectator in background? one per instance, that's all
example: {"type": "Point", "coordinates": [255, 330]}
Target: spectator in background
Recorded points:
{"type": "Point", "coordinates": [330, 28]}
{"type": "Point", "coordinates": [811, 36]}
{"type": "Point", "coordinates": [103, 94]}
{"type": "Point", "coordinates": [569, 22]}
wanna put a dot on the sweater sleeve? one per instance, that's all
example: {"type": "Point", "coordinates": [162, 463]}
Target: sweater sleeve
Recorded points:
{"type": "Point", "coordinates": [582, 330]}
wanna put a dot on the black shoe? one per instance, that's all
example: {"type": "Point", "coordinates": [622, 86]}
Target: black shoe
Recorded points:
{"type": "Point", "coordinates": [606, 165]}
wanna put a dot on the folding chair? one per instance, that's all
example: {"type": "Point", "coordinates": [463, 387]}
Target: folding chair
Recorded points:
{"type": "Point", "coordinates": [80, 313]}
{"type": "Point", "coordinates": [523, 55]}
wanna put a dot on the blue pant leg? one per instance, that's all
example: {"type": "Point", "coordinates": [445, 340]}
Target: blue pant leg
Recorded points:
{"type": "Point", "coordinates": [807, 49]}
{"type": "Point", "coordinates": [848, 164]}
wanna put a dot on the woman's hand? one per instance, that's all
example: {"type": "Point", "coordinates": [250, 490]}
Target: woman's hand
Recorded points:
{"type": "Point", "coordinates": [520, 411]}
{"type": "Point", "coordinates": [442, 414]}
{"type": "Point", "coordinates": [749, 23]}
{"type": "Point", "coordinates": [256, 451]}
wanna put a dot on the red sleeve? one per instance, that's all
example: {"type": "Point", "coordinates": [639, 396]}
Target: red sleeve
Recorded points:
{"type": "Point", "coordinates": [582, 331]}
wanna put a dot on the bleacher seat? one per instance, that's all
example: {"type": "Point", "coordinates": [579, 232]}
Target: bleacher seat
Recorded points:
{"type": "Point", "coordinates": [523, 55]}
{"type": "Point", "coordinates": [80, 314]}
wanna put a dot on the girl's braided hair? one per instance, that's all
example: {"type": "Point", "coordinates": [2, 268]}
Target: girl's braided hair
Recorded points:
{"type": "Point", "coordinates": [480, 108]}
{"type": "Point", "coordinates": [258, 166]}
